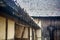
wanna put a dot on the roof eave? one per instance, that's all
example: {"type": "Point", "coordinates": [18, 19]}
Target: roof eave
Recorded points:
{"type": "Point", "coordinates": [10, 10]}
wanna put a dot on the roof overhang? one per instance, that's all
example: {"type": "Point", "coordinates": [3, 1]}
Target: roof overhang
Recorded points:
{"type": "Point", "coordinates": [49, 17]}
{"type": "Point", "coordinates": [15, 11]}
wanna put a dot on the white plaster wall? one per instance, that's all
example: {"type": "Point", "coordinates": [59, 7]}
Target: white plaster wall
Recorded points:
{"type": "Point", "coordinates": [39, 39]}
{"type": "Point", "coordinates": [11, 29]}
{"type": "Point", "coordinates": [34, 34]}
{"type": "Point", "coordinates": [2, 28]}
{"type": "Point", "coordinates": [26, 33]}
{"type": "Point", "coordinates": [30, 33]}
{"type": "Point", "coordinates": [18, 32]}
{"type": "Point", "coordinates": [39, 33]}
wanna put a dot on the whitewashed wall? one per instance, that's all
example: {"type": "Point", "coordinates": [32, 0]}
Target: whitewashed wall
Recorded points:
{"type": "Point", "coordinates": [30, 33]}
{"type": "Point", "coordinates": [39, 36]}
{"type": "Point", "coordinates": [2, 28]}
{"type": "Point", "coordinates": [11, 29]}
{"type": "Point", "coordinates": [26, 33]}
{"type": "Point", "coordinates": [19, 30]}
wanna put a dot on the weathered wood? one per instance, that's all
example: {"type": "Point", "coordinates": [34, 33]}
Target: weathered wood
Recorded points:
{"type": "Point", "coordinates": [28, 33]}
{"type": "Point", "coordinates": [32, 34]}
{"type": "Point", "coordinates": [23, 32]}
{"type": "Point", "coordinates": [35, 35]}
{"type": "Point", "coordinates": [21, 39]}
{"type": "Point", "coordinates": [6, 29]}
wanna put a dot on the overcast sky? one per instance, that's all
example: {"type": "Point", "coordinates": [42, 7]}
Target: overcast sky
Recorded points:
{"type": "Point", "coordinates": [41, 7]}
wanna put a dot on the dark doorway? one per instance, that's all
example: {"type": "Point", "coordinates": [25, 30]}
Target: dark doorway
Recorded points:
{"type": "Point", "coordinates": [57, 34]}
{"type": "Point", "coordinates": [54, 32]}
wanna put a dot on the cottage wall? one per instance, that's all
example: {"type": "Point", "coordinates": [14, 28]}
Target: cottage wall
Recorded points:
{"type": "Point", "coordinates": [26, 33]}
{"type": "Point", "coordinates": [48, 22]}
{"type": "Point", "coordinates": [38, 32]}
{"type": "Point", "coordinates": [16, 31]}
{"type": "Point", "coordinates": [30, 33]}
{"type": "Point", "coordinates": [44, 23]}
{"type": "Point", "coordinates": [21, 32]}
{"type": "Point", "coordinates": [10, 29]}
{"type": "Point", "coordinates": [39, 36]}
{"type": "Point", "coordinates": [2, 28]}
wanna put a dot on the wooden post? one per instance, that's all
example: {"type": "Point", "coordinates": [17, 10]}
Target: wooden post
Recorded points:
{"type": "Point", "coordinates": [32, 34]}
{"type": "Point", "coordinates": [15, 32]}
{"type": "Point", "coordinates": [23, 32]}
{"type": "Point", "coordinates": [28, 33]}
{"type": "Point", "coordinates": [35, 35]}
{"type": "Point", "coordinates": [6, 36]}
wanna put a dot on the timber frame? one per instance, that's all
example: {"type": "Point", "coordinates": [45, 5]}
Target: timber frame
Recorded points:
{"type": "Point", "coordinates": [18, 15]}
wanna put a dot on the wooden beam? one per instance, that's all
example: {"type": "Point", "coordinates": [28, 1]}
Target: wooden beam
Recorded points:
{"type": "Point", "coordinates": [28, 33]}
{"type": "Point", "coordinates": [15, 31]}
{"type": "Point", "coordinates": [32, 34]}
{"type": "Point", "coordinates": [23, 32]}
{"type": "Point", "coordinates": [6, 36]}
{"type": "Point", "coordinates": [35, 35]}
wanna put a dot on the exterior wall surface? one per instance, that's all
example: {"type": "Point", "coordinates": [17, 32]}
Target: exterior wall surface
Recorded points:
{"type": "Point", "coordinates": [44, 23]}
{"type": "Point", "coordinates": [39, 36]}
{"type": "Point", "coordinates": [30, 33]}
{"type": "Point", "coordinates": [21, 32]}
{"type": "Point", "coordinates": [18, 31]}
{"type": "Point", "coordinates": [10, 33]}
{"type": "Point", "coordinates": [26, 33]}
{"type": "Point", "coordinates": [2, 28]}
{"type": "Point", "coordinates": [11, 29]}
{"type": "Point", "coordinates": [47, 22]}
{"type": "Point", "coordinates": [38, 31]}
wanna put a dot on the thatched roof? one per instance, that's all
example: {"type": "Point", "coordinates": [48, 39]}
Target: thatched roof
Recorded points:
{"type": "Point", "coordinates": [43, 8]}
{"type": "Point", "coordinates": [16, 11]}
